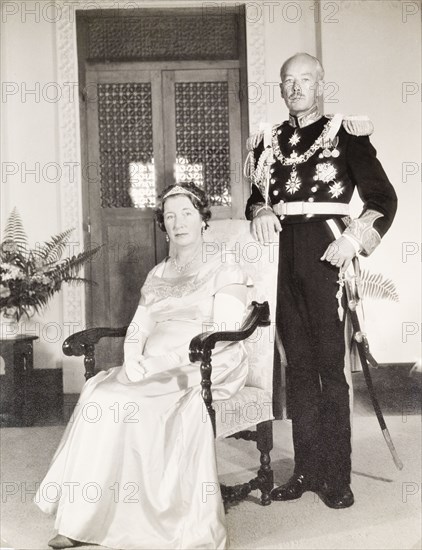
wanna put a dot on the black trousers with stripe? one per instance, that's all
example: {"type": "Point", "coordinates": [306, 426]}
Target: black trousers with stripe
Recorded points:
{"type": "Point", "coordinates": [313, 338]}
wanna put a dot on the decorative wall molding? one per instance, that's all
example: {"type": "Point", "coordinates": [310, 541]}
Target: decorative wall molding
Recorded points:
{"type": "Point", "coordinates": [69, 151]}
{"type": "Point", "coordinates": [255, 48]}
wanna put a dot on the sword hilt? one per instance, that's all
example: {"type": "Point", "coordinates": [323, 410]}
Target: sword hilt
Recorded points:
{"type": "Point", "coordinates": [359, 336]}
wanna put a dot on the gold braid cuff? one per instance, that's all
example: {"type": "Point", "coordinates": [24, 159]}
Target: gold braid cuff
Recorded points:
{"type": "Point", "coordinates": [363, 232]}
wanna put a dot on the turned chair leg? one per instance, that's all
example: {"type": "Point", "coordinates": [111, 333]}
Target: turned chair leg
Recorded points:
{"type": "Point", "coordinates": [265, 474]}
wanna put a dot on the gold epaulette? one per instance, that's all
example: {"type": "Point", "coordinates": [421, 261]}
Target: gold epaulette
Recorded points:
{"type": "Point", "coordinates": [358, 125]}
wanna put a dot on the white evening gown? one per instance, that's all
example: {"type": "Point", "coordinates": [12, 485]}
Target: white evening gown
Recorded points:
{"type": "Point", "coordinates": [136, 467]}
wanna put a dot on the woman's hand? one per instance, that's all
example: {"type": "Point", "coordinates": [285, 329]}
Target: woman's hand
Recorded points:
{"type": "Point", "coordinates": [143, 367]}
{"type": "Point", "coordinates": [135, 369]}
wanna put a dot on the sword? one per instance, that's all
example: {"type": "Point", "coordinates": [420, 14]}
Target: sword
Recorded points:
{"type": "Point", "coordinates": [365, 358]}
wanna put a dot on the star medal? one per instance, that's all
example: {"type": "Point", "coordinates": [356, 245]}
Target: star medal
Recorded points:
{"type": "Point", "coordinates": [294, 140]}
{"type": "Point", "coordinates": [336, 189]}
{"type": "Point", "coordinates": [293, 183]}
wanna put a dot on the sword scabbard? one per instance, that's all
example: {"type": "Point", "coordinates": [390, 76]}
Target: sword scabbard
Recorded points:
{"type": "Point", "coordinates": [365, 358]}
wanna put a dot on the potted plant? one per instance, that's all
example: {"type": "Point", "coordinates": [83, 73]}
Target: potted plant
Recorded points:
{"type": "Point", "coordinates": [30, 277]}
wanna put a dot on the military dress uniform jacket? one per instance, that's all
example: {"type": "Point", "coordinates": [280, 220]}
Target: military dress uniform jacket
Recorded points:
{"type": "Point", "coordinates": [322, 162]}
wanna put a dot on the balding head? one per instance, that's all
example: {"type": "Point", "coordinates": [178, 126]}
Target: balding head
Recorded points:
{"type": "Point", "coordinates": [302, 57]}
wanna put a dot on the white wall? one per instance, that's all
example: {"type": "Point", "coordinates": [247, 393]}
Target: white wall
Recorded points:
{"type": "Point", "coordinates": [367, 50]}
{"type": "Point", "coordinates": [29, 146]}
{"type": "Point", "coordinates": [291, 30]}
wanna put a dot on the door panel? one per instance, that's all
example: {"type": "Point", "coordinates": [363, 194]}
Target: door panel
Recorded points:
{"type": "Point", "coordinates": [202, 129]}
{"type": "Point", "coordinates": [124, 118]}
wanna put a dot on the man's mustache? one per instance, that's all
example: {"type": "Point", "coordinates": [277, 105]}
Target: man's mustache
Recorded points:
{"type": "Point", "coordinates": [296, 96]}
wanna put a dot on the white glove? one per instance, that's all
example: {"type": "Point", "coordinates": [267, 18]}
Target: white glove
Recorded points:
{"type": "Point", "coordinates": [136, 336]}
{"type": "Point", "coordinates": [340, 253]}
{"type": "Point", "coordinates": [134, 369]}
{"type": "Point", "coordinates": [228, 311]}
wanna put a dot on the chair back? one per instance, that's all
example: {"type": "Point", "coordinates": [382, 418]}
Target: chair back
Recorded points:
{"type": "Point", "coordinates": [233, 240]}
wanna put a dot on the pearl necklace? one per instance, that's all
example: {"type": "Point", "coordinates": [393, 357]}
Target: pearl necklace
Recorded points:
{"type": "Point", "coordinates": [186, 266]}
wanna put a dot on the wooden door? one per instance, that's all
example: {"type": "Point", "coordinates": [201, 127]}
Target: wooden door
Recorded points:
{"type": "Point", "coordinates": [149, 125]}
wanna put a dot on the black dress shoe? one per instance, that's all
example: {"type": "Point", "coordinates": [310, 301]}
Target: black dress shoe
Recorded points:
{"type": "Point", "coordinates": [336, 497]}
{"type": "Point", "coordinates": [294, 488]}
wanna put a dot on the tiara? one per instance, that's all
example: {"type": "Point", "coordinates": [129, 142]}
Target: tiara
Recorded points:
{"type": "Point", "coordinates": [178, 190]}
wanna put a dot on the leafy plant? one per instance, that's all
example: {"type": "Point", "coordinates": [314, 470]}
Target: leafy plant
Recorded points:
{"type": "Point", "coordinates": [30, 277]}
{"type": "Point", "coordinates": [373, 285]}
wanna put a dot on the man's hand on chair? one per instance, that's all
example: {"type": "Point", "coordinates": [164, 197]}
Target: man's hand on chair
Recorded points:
{"type": "Point", "coordinates": [265, 227]}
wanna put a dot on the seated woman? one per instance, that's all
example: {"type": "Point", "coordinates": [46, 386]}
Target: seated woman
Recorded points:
{"type": "Point", "coordinates": [136, 467]}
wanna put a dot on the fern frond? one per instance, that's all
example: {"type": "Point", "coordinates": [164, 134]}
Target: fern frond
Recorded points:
{"type": "Point", "coordinates": [373, 285]}
{"type": "Point", "coordinates": [15, 232]}
{"type": "Point", "coordinates": [69, 268]}
{"type": "Point", "coordinates": [52, 250]}
{"type": "Point", "coordinates": [77, 280]}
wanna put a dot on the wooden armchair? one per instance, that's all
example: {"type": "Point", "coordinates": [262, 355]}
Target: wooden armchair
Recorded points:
{"type": "Point", "coordinates": [228, 418]}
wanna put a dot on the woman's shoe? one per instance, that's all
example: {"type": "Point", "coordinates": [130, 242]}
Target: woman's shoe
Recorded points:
{"type": "Point", "coordinates": [60, 541]}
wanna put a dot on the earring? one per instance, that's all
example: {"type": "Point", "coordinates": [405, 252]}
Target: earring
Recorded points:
{"type": "Point", "coordinates": [167, 238]}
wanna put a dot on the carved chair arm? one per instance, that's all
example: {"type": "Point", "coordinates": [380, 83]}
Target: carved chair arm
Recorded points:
{"type": "Point", "coordinates": [203, 343]}
{"type": "Point", "coordinates": [201, 347]}
{"type": "Point", "coordinates": [84, 341]}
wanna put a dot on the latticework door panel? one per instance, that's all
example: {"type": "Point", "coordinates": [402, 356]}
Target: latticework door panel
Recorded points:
{"type": "Point", "coordinates": [126, 145]}
{"type": "Point", "coordinates": [168, 36]}
{"type": "Point", "coordinates": [202, 137]}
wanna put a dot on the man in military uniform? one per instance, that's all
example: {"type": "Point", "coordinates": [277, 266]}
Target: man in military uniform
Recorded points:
{"type": "Point", "coordinates": [303, 174]}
